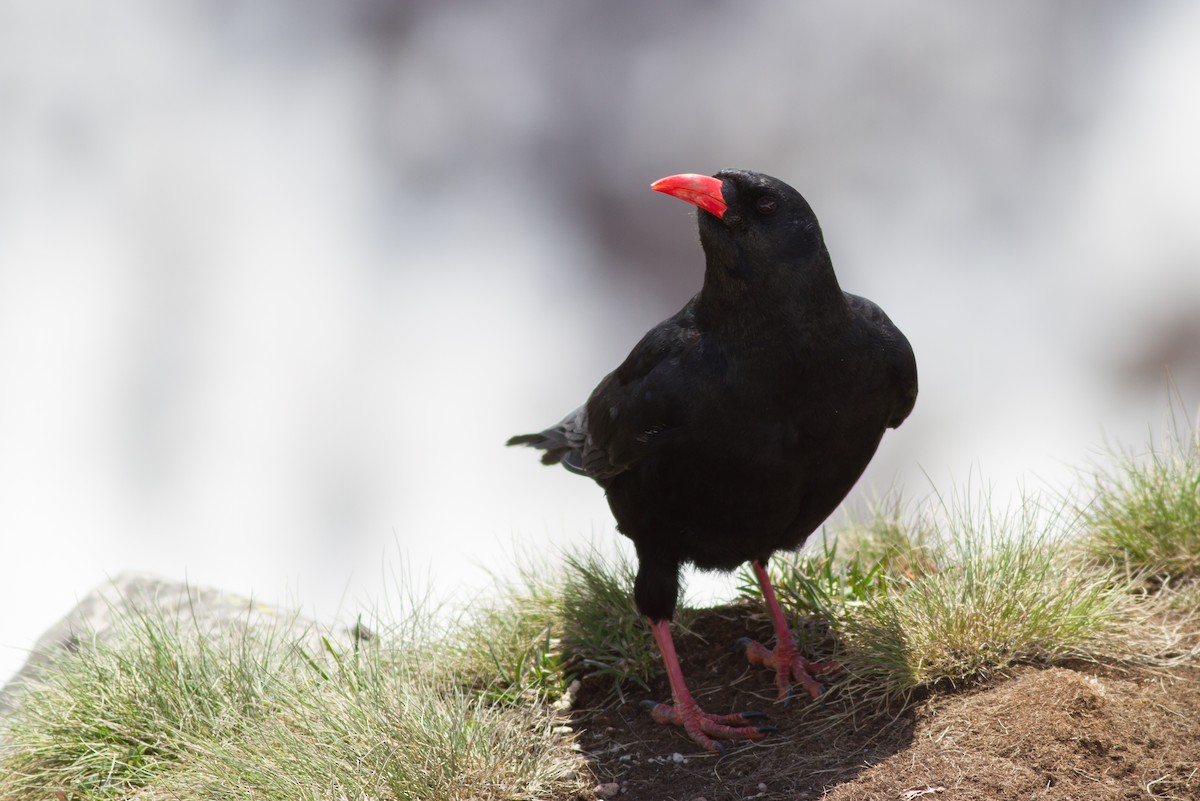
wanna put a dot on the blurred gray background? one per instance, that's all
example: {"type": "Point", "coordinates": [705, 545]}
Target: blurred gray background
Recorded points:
{"type": "Point", "coordinates": [278, 278]}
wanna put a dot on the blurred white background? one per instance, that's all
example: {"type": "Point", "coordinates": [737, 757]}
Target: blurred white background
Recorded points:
{"type": "Point", "coordinates": [277, 279]}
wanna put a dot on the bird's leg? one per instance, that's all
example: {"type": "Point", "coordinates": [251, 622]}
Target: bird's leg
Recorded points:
{"type": "Point", "coordinates": [789, 665]}
{"type": "Point", "coordinates": [703, 728]}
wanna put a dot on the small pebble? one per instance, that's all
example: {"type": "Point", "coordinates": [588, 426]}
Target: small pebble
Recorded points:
{"type": "Point", "coordinates": [562, 730]}
{"type": "Point", "coordinates": [567, 700]}
{"type": "Point", "coordinates": [607, 790]}
{"type": "Point", "coordinates": [762, 788]}
{"type": "Point", "coordinates": [677, 758]}
{"type": "Point", "coordinates": [626, 757]}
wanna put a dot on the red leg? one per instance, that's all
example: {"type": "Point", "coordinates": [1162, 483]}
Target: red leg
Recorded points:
{"type": "Point", "coordinates": [788, 664]}
{"type": "Point", "coordinates": [702, 727]}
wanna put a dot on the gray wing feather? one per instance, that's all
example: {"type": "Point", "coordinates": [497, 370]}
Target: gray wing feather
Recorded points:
{"type": "Point", "coordinates": [568, 443]}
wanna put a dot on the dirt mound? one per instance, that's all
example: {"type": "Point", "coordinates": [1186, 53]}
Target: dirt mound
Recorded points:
{"type": "Point", "coordinates": [1044, 734]}
{"type": "Point", "coordinates": [1051, 734]}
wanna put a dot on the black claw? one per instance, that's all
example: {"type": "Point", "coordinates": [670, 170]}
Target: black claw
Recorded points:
{"type": "Point", "coordinates": [742, 644]}
{"type": "Point", "coordinates": [720, 747]}
{"type": "Point", "coordinates": [787, 699]}
{"type": "Point", "coordinates": [751, 714]}
{"type": "Point", "coordinates": [648, 704]}
{"type": "Point", "coordinates": [766, 729]}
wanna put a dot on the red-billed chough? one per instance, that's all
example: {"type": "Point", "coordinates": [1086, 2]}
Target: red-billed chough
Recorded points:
{"type": "Point", "coordinates": [734, 428]}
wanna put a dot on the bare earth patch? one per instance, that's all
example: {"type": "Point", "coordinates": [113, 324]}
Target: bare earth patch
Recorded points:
{"type": "Point", "coordinates": [1082, 734]}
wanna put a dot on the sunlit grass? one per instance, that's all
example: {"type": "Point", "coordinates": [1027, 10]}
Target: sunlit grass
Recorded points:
{"type": "Point", "coordinates": [1005, 592]}
{"type": "Point", "coordinates": [568, 615]}
{"type": "Point", "coordinates": [166, 710]}
{"type": "Point", "coordinates": [1144, 510]}
{"type": "Point", "coordinates": [957, 593]}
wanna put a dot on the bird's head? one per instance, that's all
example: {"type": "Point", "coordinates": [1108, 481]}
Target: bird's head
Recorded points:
{"type": "Point", "coordinates": [758, 233]}
{"type": "Point", "coordinates": [747, 218]}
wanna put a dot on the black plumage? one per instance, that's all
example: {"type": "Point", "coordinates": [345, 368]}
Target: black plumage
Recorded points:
{"type": "Point", "coordinates": [735, 427]}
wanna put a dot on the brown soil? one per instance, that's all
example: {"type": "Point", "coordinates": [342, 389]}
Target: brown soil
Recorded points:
{"type": "Point", "coordinates": [1046, 734]}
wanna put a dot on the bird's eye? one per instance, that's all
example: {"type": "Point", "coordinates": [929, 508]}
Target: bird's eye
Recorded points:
{"type": "Point", "coordinates": [766, 205]}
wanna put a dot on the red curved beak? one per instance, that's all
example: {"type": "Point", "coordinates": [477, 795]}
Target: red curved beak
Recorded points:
{"type": "Point", "coordinates": [699, 190]}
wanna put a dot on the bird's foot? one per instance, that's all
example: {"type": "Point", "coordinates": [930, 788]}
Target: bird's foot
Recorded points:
{"type": "Point", "coordinates": [705, 729]}
{"type": "Point", "coordinates": [789, 667]}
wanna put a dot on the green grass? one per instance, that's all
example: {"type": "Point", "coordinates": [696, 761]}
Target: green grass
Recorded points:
{"type": "Point", "coordinates": [567, 616]}
{"type": "Point", "coordinates": [424, 710]}
{"type": "Point", "coordinates": [913, 599]}
{"type": "Point", "coordinates": [248, 713]}
{"type": "Point", "coordinates": [1144, 510]}
{"type": "Point", "coordinates": [956, 593]}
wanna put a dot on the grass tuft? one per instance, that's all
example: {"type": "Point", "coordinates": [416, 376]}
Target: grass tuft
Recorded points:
{"type": "Point", "coordinates": [160, 708]}
{"type": "Point", "coordinates": [1144, 513]}
{"type": "Point", "coordinates": [568, 616]}
{"type": "Point", "coordinates": [954, 596]}
{"type": "Point", "coordinates": [603, 633]}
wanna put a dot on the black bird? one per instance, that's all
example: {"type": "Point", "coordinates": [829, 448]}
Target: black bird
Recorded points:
{"type": "Point", "coordinates": [735, 427]}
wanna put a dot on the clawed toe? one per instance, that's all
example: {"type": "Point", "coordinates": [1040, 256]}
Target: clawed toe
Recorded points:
{"type": "Point", "coordinates": [706, 729]}
{"type": "Point", "coordinates": [791, 669]}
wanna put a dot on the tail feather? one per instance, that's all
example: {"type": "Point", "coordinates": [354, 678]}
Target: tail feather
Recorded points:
{"type": "Point", "coordinates": [564, 441]}
{"type": "Point", "coordinates": [553, 443]}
